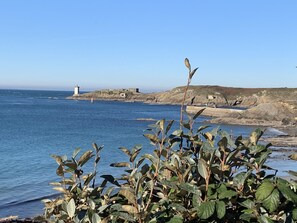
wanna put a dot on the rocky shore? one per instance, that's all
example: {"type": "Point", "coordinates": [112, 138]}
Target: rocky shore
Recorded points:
{"type": "Point", "coordinates": [264, 107]}
{"type": "Point", "coordinates": [275, 107]}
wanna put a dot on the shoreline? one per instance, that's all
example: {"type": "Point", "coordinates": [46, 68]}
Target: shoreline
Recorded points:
{"type": "Point", "coordinates": [229, 116]}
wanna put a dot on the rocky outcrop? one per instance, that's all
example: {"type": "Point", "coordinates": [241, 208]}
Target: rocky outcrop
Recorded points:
{"type": "Point", "coordinates": [203, 95]}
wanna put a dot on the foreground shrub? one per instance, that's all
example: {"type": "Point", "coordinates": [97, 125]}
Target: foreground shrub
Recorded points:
{"type": "Point", "coordinates": [192, 175]}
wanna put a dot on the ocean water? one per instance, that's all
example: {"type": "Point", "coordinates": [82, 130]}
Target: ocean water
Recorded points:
{"type": "Point", "coordinates": [36, 124]}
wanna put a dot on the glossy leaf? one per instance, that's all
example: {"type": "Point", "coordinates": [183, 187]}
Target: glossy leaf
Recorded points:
{"type": "Point", "coordinates": [126, 151]}
{"type": "Point", "coordinates": [287, 192]}
{"type": "Point", "coordinates": [255, 136]}
{"type": "Point", "coordinates": [272, 201]}
{"type": "Point", "coordinates": [176, 219]}
{"type": "Point", "coordinates": [128, 195]}
{"type": "Point", "coordinates": [130, 209]}
{"type": "Point", "coordinates": [265, 219]}
{"type": "Point", "coordinates": [264, 190]}
{"type": "Point", "coordinates": [98, 149]}
{"type": "Point", "coordinates": [60, 170]}
{"type": "Point", "coordinates": [154, 139]}
{"type": "Point", "coordinates": [227, 194]}
{"type": "Point", "coordinates": [193, 72]}
{"type": "Point", "coordinates": [96, 218]}
{"type": "Point", "coordinates": [206, 210]}
{"type": "Point", "coordinates": [75, 152]}
{"type": "Point", "coordinates": [122, 164]}
{"type": "Point", "coordinates": [110, 179]}
{"type": "Point", "coordinates": [85, 157]}
{"type": "Point", "coordinates": [294, 214]}
{"type": "Point", "coordinates": [202, 168]}
{"type": "Point", "coordinates": [169, 126]}
{"type": "Point", "coordinates": [221, 209]}
{"type": "Point", "coordinates": [187, 63]}
{"type": "Point", "coordinates": [134, 155]}
{"type": "Point", "coordinates": [71, 208]}
{"type": "Point", "coordinates": [58, 159]}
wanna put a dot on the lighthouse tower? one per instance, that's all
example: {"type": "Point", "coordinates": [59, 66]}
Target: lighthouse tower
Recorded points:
{"type": "Point", "coordinates": [76, 91]}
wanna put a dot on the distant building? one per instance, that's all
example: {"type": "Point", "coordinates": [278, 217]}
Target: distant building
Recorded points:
{"type": "Point", "coordinates": [76, 90]}
{"type": "Point", "coordinates": [211, 97]}
{"type": "Point", "coordinates": [134, 90]}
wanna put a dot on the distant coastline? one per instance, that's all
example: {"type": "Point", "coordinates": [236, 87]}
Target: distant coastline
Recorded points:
{"type": "Point", "coordinates": [274, 107]}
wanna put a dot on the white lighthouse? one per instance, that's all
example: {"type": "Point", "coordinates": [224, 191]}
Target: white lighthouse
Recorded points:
{"type": "Point", "coordinates": [76, 91]}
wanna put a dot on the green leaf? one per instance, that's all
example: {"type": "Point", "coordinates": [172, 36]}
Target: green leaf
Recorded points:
{"type": "Point", "coordinates": [227, 194]}
{"type": "Point", "coordinates": [223, 143]}
{"type": "Point", "coordinates": [187, 63]}
{"type": "Point", "coordinates": [85, 157]}
{"type": "Point", "coordinates": [264, 219]}
{"type": "Point", "coordinates": [130, 209]}
{"type": "Point", "coordinates": [202, 168]}
{"type": "Point", "coordinates": [110, 179]}
{"type": "Point", "coordinates": [202, 128]}
{"type": "Point", "coordinates": [240, 179]}
{"type": "Point", "coordinates": [206, 210]}
{"type": "Point", "coordinates": [178, 207]}
{"type": "Point", "coordinates": [189, 188]}
{"type": "Point", "coordinates": [58, 159]}
{"type": "Point", "coordinates": [96, 218]}
{"type": "Point", "coordinates": [126, 151]}
{"type": "Point", "coordinates": [247, 217]}
{"type": "Point", "coordinates": [161, 124]}
{"type": "Point", "coordinates": [193, 72]}
{"type": "Point", "coordinates": [257, 149]}
{"type": "Point", "coordinates": [60, 189]}
{"type": "Point", "coordinates": [196, 200]}
{"type": "Point", "coordinates": [264, 190]}
{"type": "Point", "coordinates": [71, 208]}
{"type": "Point", "coordinates": [286, 191]}
{"type": "Point", "coordinates": [134, 155]}
{"type": "Point", "coordinates": [122, 164]}
{"type": "Point", "coordinates": [255, 136]}
{"type": "Point", "coordinates": [128, 195]}
{"type": "Point", "coordinates": [176, 219]}
{"type": "Point", "coordinates": [91, 204]}
{"type": "Point", "coordinates": [89, 178]}
{"type": "Point", "coordinates": [272, 201]}
{"type": "Point", "coordinates": [294, 214]}
{"type": "Point", "coordinates": [71, 165]}
{"type": "Point", "coordinates": [221, 209]}
{"type": "Point", "coordinates": [75, 152]}
{"type": "Point", "coordinates": [154, 139]}
{"type": "Point", "coordinates": [248, 204]}
{"type": "Point", "coordinates": [177, 133]}
{"type": "Point", "coordinates": [60, 170]}
{"type": "Point", "coordinates": [98, 149]}
{"type": "Point", "coordinates": [124, 216]}
{"type": "Point", "coordinates": [169, 126]}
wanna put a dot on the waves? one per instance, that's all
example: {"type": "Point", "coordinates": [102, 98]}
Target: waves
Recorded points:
{"type": "Point", "coordinates": [18, 203]}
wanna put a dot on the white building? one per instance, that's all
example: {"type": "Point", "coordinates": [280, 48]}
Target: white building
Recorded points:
{"type": "Point", "coordinates": [76, 90]}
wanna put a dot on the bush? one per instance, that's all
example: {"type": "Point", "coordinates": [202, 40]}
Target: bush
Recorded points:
{"type": "Point", "coordinates": [192, 175]}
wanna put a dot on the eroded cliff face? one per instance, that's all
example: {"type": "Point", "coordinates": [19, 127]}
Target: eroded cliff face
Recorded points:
{"type": "Point", "coordinates": [225, 96]}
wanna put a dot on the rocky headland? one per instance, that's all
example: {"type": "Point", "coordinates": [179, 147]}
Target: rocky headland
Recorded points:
{"type": "Point", "coordinates": [268, 107]}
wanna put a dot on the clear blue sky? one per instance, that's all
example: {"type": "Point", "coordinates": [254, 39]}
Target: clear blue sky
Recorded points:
{"type": "Point", "coordinates": [56, 44]}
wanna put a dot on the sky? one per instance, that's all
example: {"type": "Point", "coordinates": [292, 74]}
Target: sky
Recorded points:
{"type": "Point", "coordinates": [98, 44]}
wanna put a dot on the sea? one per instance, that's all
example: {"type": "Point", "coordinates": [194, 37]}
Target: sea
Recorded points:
{"type": "Point", "coordinates": [37, 124]}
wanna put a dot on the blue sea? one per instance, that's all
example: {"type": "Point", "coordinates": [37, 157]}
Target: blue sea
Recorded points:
{"type": "Point", "coordinates": [36, 124]}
